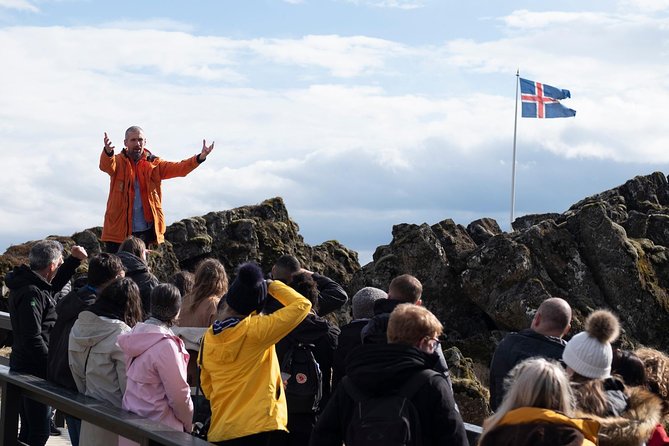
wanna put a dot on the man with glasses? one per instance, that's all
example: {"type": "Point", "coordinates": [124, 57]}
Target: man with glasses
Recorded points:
{"type": "Point", "coordinates": [32, 312]}
{"type": "Point", "coordinates": [377, 371]}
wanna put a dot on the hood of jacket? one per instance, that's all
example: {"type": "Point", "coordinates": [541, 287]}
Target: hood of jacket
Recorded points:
{"type": "Point", "coordinates": [636, 424]}
{"type": "Point", "coordinates": [380, 367]}
{"type": "Point", "coordinates": [22, 276]}
{"type": "Point", "coordinates": [385, 306]}
{"type": "Point", "coordinates": [312, 329]}
{"type": "Point", "coordinates": [74, 302]}
{"type": "Point", "coordinates": [535, 415]}
{"type": "Point", "coordinates": [229, 341]}
{"type": "Point", "coordinates": [132, 263]}
{"type": "Point", "coordinates": [142, 337]}
{"type": "Point", "coordinates": [90, 329]}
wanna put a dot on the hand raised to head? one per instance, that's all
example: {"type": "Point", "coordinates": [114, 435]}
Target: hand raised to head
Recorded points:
{"type": "Point", "coordinates": [79, 252]}
{"type": "Point", "coordinates": [108, 144]}
{"type": "Point", "coordinates": [206, 150]}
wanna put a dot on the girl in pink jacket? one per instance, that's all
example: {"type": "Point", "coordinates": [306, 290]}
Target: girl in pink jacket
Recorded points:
{"type": "Point", "coordinates": [156, 363]}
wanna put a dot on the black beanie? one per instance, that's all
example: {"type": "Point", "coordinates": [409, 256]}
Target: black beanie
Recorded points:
{"type": "Point", "coordinates": [248, 291]}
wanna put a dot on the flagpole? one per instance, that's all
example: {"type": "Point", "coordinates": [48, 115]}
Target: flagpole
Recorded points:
{"type": "Point", "coordinates": [513, 165]}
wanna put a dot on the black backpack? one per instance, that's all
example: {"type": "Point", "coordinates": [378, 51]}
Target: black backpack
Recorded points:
{"type": "Point", "coordinates": [388, 420]}
{"type": "Point", "coordinates": [304, 387]}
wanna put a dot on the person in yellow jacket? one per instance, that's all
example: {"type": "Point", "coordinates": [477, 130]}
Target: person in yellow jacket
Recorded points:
{"type": "Point", "coordinates": [134, 206]}
{"type": "Point", "coordinates": [538, 410]}
{"type": "Point", "coordinates": [240, 372]}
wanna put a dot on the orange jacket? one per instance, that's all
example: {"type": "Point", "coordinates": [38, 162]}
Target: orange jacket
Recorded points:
{"type": "Point", "coordinates": [151, 170]}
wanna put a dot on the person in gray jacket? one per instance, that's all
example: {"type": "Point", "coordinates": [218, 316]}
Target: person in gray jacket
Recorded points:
{"type": "Point", "coordinates": [96, 360]}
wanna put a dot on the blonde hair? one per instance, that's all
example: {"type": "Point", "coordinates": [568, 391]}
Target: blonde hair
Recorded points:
{"type": "Point", "coordinates": [535, 382]}
{"type": "Point", "coordinates": [410, 323]}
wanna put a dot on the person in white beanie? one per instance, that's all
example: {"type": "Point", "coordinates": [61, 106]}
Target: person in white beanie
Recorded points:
{"type": "Point", "coordinates": [627, 415]}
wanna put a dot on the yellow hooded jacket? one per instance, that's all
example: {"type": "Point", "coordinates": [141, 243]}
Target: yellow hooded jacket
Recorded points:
{"type": "Point", "coordinates": [517, 427]}
{"type": "Point", "coordinates": [240, 371]}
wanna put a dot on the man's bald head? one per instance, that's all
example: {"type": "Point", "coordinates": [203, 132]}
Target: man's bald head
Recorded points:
{"type": "Point", "coordinates": [553, 317]}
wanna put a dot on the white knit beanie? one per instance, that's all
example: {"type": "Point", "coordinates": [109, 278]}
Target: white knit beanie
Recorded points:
{"type": "Point", "coordinates": [589, 353]}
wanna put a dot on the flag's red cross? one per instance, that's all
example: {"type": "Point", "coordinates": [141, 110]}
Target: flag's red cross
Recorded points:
{"type": "Point", "coordinates": [538, 99]}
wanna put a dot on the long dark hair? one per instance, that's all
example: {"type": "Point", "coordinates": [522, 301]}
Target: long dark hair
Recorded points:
{"type": "Point", "coordinates": [210, 280]}
{"type": "Point", "coordinates": [120, 300]}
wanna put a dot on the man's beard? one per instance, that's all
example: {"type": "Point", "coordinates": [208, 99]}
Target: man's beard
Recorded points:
{"type": "Point", "coordinates": [135, 154]}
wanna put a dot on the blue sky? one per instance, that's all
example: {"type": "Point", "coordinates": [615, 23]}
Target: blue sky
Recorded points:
{"type": "Point", "coordinates": [361, 114]}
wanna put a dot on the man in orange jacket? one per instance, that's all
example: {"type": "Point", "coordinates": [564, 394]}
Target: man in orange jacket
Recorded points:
{"type": "Point", "coordinates": [134, 206]}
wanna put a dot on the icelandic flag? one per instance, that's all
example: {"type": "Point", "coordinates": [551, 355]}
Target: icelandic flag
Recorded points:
{"type": "Point", "coordinates": [542, 101]}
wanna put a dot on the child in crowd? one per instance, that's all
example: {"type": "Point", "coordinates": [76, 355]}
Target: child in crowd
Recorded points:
{"type": "Point", "coordinates": [210, 284]}
{"type": "Point", "coordinates": [627, 415]}
{"type": "Point", "coordinates": [537, 409]}
{"type": "Point", "coordinates": [240, 371]}
{"type": "Point", "coordinates": [96, 361]}
{"type": "Point", "coordinates": [156, 365]}
{"type": "Point", "coordinates": [183, 280]}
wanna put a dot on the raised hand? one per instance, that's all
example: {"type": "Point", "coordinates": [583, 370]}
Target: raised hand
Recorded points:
{"type": "Point", "coordinates": [206, 150]}
{"type": "Point", "coordinates": [79, 252]}
{"type": "Point", "coordinates": [108, 145]}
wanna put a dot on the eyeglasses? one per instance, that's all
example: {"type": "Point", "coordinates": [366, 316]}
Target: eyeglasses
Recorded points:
{"type": "Point", "coordinates": [435, 343]}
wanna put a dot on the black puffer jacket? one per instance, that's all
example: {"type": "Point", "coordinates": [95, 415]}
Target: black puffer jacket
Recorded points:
{"type": "Point", "coordinates": [382, 369]}
{"type": "Point", "coordinates": [33, 314]}
{"type": "Point", "coordinates": [67, 309]}
{"type": "Point", "coordinates": [138, 271]}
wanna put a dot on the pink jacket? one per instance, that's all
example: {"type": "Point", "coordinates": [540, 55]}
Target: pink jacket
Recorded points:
{"type": "Point", "coordinates": [156, 376]}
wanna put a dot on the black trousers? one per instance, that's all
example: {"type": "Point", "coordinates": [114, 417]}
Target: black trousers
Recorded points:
{"type": "Point", "coordinates": [148, 237]}
{"type": "Point", "coordinates": [34, 422]}
{"type": "Point", "coordinates": [271, 438]}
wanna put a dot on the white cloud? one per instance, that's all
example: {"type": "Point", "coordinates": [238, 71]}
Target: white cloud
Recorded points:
{"type": "Point", "coordinates": [154, 24]}
{"type": "Point", "coordinates": [343, 122]}
{"type": "Point", "coordinates": [343, 56]}
{"type": "Point", "coordinates": [21, 5]}
{"type": "Point", "coordinates": [646, 5]}
{"type": "Point", "coordinates": [396, 4]}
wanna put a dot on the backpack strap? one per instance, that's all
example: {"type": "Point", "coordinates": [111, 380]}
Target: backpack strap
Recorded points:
{"type": "Point", "coordinates": [409, 388]}
{"type": "Point", "coordinates": [417, 381]}
{"type": "Point", "coordinates": [353, 390]}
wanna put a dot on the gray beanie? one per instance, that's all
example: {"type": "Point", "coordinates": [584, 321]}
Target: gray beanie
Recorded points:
{"type": "Point", "coordinates": [362, 303]}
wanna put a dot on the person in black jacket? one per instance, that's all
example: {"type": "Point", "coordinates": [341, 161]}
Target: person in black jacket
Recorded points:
{"type": "Point", "coordinates": [102, 268]}
{"type": "Point", "coordinates": [32, 313]}
{"type": "Point", "coordinates": [402, 289]}
{"type": "Point", "coordinates": [132, 253]}
{"type": "Point", "coordinates": [544, 339]}
{"type": "Point", "coordinates": [362, 309]}
{"type": "Point", "coordinates": [331, 295]}
{"type": "Point", "coordinates": [320, 333]}
{"type": "Point", "coordinates": [382, 369]}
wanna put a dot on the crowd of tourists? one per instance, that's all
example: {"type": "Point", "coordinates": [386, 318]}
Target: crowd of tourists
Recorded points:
{"type": "Point", "coordinates": [269, 365]}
